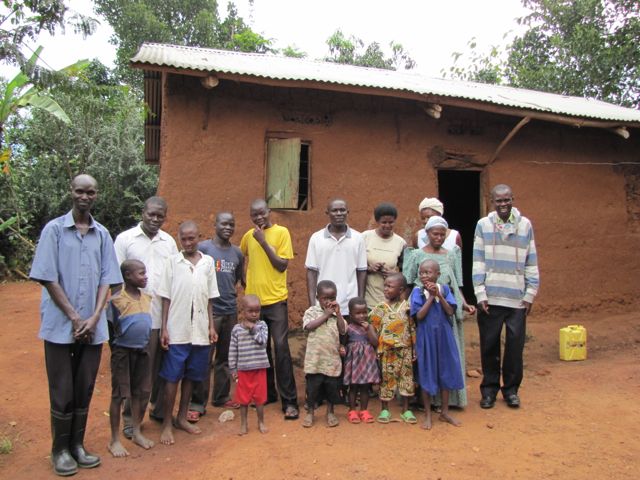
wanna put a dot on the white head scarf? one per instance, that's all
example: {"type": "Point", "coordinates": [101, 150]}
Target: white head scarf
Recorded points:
{"type": "Point", "coordinates": [433, 204]}
{"type": "Point", "coordinates": [436, 221]}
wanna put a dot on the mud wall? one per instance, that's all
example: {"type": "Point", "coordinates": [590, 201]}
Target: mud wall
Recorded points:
{"type": "Point", "coordinates": [370, 149]}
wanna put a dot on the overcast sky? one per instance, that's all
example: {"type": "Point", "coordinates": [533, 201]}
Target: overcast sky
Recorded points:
{"type": "Point", "coordinates": [429, 30]}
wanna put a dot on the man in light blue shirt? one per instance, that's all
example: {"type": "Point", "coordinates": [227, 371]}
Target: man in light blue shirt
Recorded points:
{"type": "Point", "coordinates": [76, 264]}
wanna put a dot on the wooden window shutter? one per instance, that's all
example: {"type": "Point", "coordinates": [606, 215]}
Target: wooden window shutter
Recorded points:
{"type": "Point", "coordinates": [283, 172]}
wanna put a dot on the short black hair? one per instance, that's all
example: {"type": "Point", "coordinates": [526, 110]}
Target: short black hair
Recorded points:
{"type": "Point", "coordinates": [356, 301]}
{"type": "Point", "coordinates": [385, 209]}
{"type": "Point", "coordinates": [400, 277]}
{"type": "Point", "coordinates": [158, 201]}
{"type": "Point", "coordinates": [130, 265]}
{"type": "Point", "coordinates": [326, 285]}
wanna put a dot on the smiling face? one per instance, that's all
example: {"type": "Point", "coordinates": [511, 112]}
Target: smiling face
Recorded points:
{"type": "Point", "coordinates": [153, 216]}
{"type": "Point", "coordinates": [225, 225]}
{"type": "Point", "coordinates": [137, 277]}
{"type": "Point", "coordinates": [385, 226]}
{"type": "Point", "coordinates": [84, 192]}
{"type": "Point", "coordinates": [259, 214]}
{"type": "Point", "coordinates": [436, 236]}
{"type": "Point", "coordinates": [429, 272]}
{"type": "Point", "coordinates": [337, 212]}
{"type": "Point", "coordinates": [502, 200]}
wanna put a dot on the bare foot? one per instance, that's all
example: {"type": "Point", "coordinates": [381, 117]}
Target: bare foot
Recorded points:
{"type": "Point", "coordinates": [445, 417]}
{"type": "Point", "coordinates": [166, 437]}
{"type": "Point", "coordinates": [142, 441]}
{"type": "Point", "coordinates": [262, 427]}
{"type": "Point", "coordinates": [243, 429]}
{"type": "Point", "coordinates": [183, 424]}
{"type": "Point", "coordinates": [427, 422]}
{"type": "Point", "coordinates": [117, 450]}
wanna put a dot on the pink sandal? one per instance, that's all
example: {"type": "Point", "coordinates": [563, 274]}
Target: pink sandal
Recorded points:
{"type": "Point", "coordinates": [353, 417]}
{"type": "Point", "coordinates": [366, 417]}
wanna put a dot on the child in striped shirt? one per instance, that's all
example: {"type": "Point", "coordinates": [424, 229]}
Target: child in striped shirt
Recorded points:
{"type": "Point", "coordinates": [248, 361]}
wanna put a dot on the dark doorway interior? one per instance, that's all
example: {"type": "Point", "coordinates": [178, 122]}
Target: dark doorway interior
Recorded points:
{"type": "Point", "coordinates": [459, 191]}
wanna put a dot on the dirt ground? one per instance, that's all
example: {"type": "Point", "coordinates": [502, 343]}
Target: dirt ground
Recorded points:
{"type": "Point", "coordinates": [578, 420]}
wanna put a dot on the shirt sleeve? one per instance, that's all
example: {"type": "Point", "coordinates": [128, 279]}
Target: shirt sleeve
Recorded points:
{"type": "Point", "coordinates": [375, 318]}
{"type": "Point", "coordinates": [449, 297]}
{"type": "Point", "coordinates": [239, 268]}
{"type": "Point", "coordinates": [362, 254]}
{"type": "Point", "coordinates": [244, 244]}
{"type": "Point", "coordinates": [416, 301]}
{"type": "Point", "coordinates": [409, 265]}
{"type": "Point", "coordinates": [164, 288]}
{"type": "Point", "coordinates": [309, 316]}
{"type": "Point", "coordinates": [212, 281]}
{"type": "Point", "coordinates": [110, 268]}
{"type": "Point", "coordinates": [311, 262]}
{"type": "Point", "coordinates": [284, 249]}
{"type": "Point", "coordinates": [121, 248]}
{"type": "Point", "coordinates": [260, 333]}
{"type": "Point", "coordinates": [45, 262]}
{"type": "Point", "coordinates": [479, 266]}
{"type": "Point", "coordinates": [233, 351]}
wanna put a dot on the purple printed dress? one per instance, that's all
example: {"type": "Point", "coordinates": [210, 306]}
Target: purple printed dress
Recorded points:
{"type": "Point", "coordinates": [360, 364]}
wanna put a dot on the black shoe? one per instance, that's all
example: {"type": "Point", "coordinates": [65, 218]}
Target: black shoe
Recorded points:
{"type": "Point", "coordinates": [76, 445]}
{"type": "Point", "coordinates": [63, 463]}
{"type": "Point", "coordinates": [512, 400]}
{"type": "Point", "coordinates": [487, 402]}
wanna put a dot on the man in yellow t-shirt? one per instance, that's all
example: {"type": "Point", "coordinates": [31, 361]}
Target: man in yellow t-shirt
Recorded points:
{"type": "Point", "coordinates": [267, 248]}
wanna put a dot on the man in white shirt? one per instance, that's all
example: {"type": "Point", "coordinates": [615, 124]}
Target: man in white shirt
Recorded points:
{"type": "Point", "coordinates": [149, 244]}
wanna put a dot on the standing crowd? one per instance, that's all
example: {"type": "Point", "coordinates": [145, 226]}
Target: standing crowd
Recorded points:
{"type": "Point", "coordinates": [383, 319]}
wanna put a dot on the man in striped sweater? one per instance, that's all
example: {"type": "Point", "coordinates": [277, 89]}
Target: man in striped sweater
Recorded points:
{"type": "Point", "coordinates": [505, 280]}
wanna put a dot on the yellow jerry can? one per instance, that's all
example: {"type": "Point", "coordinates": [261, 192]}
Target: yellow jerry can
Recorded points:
{"type": "Point", "coordinates": [573, 343]}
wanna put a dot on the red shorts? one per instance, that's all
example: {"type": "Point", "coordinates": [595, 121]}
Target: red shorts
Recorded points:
{"type": "Point", "coordinates": [252, 387]}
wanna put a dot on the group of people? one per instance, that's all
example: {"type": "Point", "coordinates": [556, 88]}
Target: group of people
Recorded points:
{"type": "Point", "coordinates": [380, 313]}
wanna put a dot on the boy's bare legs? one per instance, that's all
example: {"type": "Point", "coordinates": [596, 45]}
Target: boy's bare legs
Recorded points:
{"type": "Point", "coordinates": [364, 397]}
{"type": "Point", "coordinates": [115, 447]}
{"type": "Point", "coordinates": [185, 399]}
{"type": "Point", "coordinates": [426, 400]}
{"type": "Point", "coordinates": [136, 420]}
{"type": "Point", "coordinates": [261, 425]}
{"type": "Point", "coordinates": [170, 391]}
{"type": "Point", "coordinates": [444, 415]}
{"type": "Point", "coordinates": [243, 419]}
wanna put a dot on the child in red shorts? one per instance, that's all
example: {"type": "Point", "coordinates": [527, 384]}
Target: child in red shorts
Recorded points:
{"type": "Point", "coordinates": [248, 361]}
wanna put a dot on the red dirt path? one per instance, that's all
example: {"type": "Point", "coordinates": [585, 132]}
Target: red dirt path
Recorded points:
{"type": "Point", "coordinates": [578, 420]}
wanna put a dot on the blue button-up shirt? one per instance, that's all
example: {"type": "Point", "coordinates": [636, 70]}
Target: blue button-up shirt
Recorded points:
{"type": "Point", "coordinates": [80, 264]}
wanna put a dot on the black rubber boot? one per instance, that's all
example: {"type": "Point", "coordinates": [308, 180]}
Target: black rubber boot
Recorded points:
{"type": "Point", "coordinates": [84, 458]}
{"type": "Point", "coordinates": [61, 459]}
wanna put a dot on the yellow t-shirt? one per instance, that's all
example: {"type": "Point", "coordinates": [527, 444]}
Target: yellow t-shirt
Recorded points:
{"type": "Point", "coordinates": [263, 279]}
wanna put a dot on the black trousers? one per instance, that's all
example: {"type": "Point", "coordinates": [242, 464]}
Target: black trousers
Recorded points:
{"type": "Point", "coordinates": [71, 371]}
{"type": "Point", "coordinates": [490, 328]}
{"type": "Point", "coordinates": [276, 317]}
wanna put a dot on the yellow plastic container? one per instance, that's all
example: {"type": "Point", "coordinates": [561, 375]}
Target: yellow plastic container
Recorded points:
{"type": "Point", "coordinates": [573, 343]}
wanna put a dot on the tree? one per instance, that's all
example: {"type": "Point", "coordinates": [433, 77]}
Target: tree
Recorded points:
{"type": "Point", "coordinates": [180, 22]}
{"type": "Point", "coordinates": [105, 139]}
{"type": "Point", "coordinates": [584, 48]}
{"type": "Point", "coordinates": [351, 50]}
{"type": "Point", "coordinates": [25, 20]}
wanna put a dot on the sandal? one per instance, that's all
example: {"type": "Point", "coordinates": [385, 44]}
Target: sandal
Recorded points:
{"type": "Point", "coordinates": [366, 417]}
{"type": "Point", "coordinates": [193, 416]}
{"type": "Point", "coordinates": [409, 417]}
{"type": "Point", "coordinates": [332, 420]}
{"type": "Point", "coordinates": [384, 417]}
{"type": "Point", "coordinates": [308, 420]}
{"type": "Point", "coordinates": [353, 417]}
{"type": "Point", "coordinates": [291, 413]}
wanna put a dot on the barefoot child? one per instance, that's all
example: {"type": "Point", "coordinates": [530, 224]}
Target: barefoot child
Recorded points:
{"type": "Point", "coordinates": [248, 361]}
{"type": "Point", "coordinates": [396, 347]}
{"type": "Point", "coordinates": [322, 363]}
{"type": "Point", "coordinates": [360, 366]}
{"type": "Point", "coordinates": [438, 360]}
{"type": "Point", "coordinates": [187, 286]}
{"type": "Point", "coordinates": [130, 316]}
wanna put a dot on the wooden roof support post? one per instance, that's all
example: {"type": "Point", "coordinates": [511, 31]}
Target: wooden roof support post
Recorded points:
{"type": "Point", "coordinates": [508, 138]}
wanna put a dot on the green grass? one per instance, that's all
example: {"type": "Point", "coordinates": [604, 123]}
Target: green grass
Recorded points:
{"type": "Point", "coordinates": [6, 445]}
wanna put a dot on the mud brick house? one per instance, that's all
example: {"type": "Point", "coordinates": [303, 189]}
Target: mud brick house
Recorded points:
{"type": "Point", "coordinates": [228, 127]}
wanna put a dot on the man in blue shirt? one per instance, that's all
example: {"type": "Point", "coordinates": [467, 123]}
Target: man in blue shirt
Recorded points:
{"type": "Point", "coordinates": [76, 264]}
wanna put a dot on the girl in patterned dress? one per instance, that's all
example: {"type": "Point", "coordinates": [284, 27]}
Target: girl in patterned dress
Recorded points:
{"type": "Point", "coordinates": [360, 366]}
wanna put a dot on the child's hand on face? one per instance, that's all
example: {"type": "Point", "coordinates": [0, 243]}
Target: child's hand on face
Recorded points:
{"type": "Point", "coordinates": [432, 288]}
{"type": "Point", "coordinates": [364, 324]}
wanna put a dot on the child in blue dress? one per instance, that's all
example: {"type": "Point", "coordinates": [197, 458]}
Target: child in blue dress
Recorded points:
{"type": "Point", "coordinates": [439, 366]}
{"type": "Point", "coordinates": [360, 365]}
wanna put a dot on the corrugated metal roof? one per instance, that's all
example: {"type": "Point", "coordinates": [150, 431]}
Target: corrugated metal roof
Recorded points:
{"type": "Point", "coordinates": [285, 68]}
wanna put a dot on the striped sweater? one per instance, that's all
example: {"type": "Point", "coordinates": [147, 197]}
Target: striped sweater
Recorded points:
{"type": "Point", "coordinates": [248, 348]}
{"type": "Point", "coordinates": [505, 263]}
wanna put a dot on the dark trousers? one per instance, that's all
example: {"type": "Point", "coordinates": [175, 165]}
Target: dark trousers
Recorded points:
{"type": "Point", "coordinates": [490, 327]}
{"type": "Point", "coordinates": [221, 374]}
{"type": "Point", "coordinates": [71, 371]}
{"type": "Point", "coordinates": [157, 383]}
{"type": "Point", "coordinates": [276, 317]}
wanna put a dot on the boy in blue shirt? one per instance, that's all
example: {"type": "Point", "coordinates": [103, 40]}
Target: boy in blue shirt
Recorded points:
{"type": "Point", "coordinates": [130, 362]}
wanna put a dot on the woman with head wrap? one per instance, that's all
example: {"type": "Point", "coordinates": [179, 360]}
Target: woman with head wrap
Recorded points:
{"type": "Point", "coordinates": [451, 275]}
{"type": "Point", "coordinates": [432, 207]}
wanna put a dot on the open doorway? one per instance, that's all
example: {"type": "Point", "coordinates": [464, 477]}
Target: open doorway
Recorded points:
{"type": "Point", "coordinates": [459, 191]}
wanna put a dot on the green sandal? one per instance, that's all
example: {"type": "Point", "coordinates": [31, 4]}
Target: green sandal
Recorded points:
{"type": "Point", "coordinates": [384, 417]}
{"type": "Point", "coordinates": [409, 417]}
